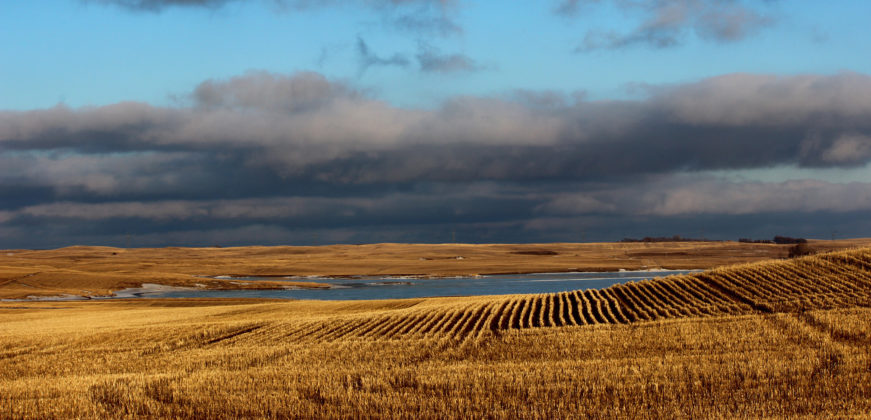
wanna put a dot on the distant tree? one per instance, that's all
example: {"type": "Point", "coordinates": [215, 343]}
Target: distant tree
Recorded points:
{"type": "Point", "coordinates": [755, 241]}
{"type": "Point", "coordinates": [675, 238]}
{"type": "Point", "coordinates": [785, 240]}
{"type": "Point", "coordinates": [800, 249]}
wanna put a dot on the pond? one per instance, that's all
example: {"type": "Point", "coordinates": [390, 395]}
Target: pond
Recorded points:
{"type": "Point", "coordinates": [371, 287]}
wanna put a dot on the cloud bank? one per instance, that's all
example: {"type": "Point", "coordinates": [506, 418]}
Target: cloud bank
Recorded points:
{"type": "Point", "coordinates": [303, 153]}
{"type": "Point", "coordinates": [666, 23]}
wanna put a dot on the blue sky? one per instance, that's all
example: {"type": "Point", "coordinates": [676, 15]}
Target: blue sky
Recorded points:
{"type": "Point", "coordinates": [83, 53]}
{"type": "Point", "coordinates": [202, 122]}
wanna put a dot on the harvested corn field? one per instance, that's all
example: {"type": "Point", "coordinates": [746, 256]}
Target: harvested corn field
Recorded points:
{"type": "Point", "coordinates": [99, 271]}
{"type": "Point", "coordinates": [818, 282]}
{"type": "Point", "coordinates": [774, 339]}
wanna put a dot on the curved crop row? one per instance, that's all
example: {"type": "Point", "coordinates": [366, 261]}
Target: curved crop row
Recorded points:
{"type": "Point", "coordinates": [829, 280]}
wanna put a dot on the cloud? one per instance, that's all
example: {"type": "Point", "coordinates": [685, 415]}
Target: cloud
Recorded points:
{"type": "Point", "coordinates": [420, 17]}
{"type": "Point", "coordinates": [676, 204]}
{"type": "Point", "coordinates": [665, 23]}
{"type": "Point", "coordinates": [264, 91]}
{"type": "Point", "coordinates": [848, 149]}
{"type": "Point", "coordinates": [426, 23]}
{"type": "Point", "coordinates": [754, 99]}
{"type": "Point", "coordinates": [805, 196]}
{"type": "Point", "coordinates": [683, 195]}
{"type": "Point", "coordinates": [415, 16]}
{"type": "Point", "coordinates": [368, 58]}
{"type": "Point", "coordinates": [159, 5]}
{"type": "Point", "coordinates": [308, 128]}
{"type": "Point", "coordinates": [302, 151]}
{"type": "Point", "coordinates": [575, 204]}
{"type": "Point", "coordinates": [431, 60]}
{"type": "Point", "coordinates": [422, 207]}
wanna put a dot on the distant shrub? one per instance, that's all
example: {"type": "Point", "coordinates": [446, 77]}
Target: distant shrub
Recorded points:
{"type": "Point", "coordinates": [780, 240]}
{"type": "Point", "coordinates": [536, 252]}
{"type": "Point", "coordinates": [675, 238]}
{"type": "Point", "coordinates": [800, 249]}
{"type": "Point", "coordinates": [786, 240]}
{"type": "Point", "coordinates": [755, 241]}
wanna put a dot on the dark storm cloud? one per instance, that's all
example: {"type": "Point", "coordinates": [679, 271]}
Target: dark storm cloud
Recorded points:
{"type": "Point", "coordinates": [676, 205]}
{"type": "Point", "coordinates": [665, 23]}
{"type": "Point", "coordinates": [422, 207]}
{"type": "Point", "coordinates": [304, 152]}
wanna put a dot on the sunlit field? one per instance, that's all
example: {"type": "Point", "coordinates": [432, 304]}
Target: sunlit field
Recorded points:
{"type": "Point", "coordinates": [777, 339]}
{"type": "Point", "coordinates": [98, 271]}
{"type": "Point", "coordinates": [435, 209]}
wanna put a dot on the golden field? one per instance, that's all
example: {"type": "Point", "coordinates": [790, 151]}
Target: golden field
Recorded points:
{"type": "Point", "coordinates": [98, 271]}
{"type": "Point", "coordinates": [770, 339]}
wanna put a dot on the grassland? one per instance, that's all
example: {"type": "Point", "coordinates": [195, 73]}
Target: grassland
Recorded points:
{"type": "Point", "coordinates": [95, 271]}
{"type": "Point", "coordinates": [771, 339]}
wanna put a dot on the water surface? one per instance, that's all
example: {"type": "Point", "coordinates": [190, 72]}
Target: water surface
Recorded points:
{"type": "Point", "coordinates": [370, 287]}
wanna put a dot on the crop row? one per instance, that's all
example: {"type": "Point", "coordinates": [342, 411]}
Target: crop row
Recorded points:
{"type": "Point", "coordinates": [831, 280]}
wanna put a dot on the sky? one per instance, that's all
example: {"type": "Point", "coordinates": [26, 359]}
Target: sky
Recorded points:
{"type": "Point", "coordinates": [243, 122]}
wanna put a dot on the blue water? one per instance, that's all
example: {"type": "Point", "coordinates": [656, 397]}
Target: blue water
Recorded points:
{"type": "Point", "coordinates": [362, 288]}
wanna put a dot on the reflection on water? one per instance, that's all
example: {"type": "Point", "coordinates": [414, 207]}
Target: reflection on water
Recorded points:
{"type": "Point", "coordinates": [359, 288]}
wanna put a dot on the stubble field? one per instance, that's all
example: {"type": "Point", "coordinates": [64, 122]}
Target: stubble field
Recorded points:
{"type": "Point", "coordinates": [98, 271]}
{"type": "Point", "coordinates": [773, 339]}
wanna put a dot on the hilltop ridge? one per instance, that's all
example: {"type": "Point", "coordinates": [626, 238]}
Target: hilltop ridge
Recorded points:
{"type": "Point", "coordinates": [99, 271]}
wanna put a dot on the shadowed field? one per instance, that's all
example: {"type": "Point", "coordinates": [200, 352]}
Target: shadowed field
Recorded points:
{"type": "Point", "coordinates": [93, 271]}
{"type": "Point", "coordinates": [773, 339]}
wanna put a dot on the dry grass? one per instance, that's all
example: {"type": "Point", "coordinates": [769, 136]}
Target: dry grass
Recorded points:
{"type": "Point", "coordinates": [782, 339]}
{"type": "Point", "coordinates": [101, 270]}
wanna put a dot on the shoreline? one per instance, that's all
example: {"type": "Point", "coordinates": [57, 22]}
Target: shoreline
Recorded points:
{"type": "Point", "coordinates": [91, 272]}
{"type": "Point", "coordinates": [145, 289]}
{"type": "Point", "coordinates": [437, 276]}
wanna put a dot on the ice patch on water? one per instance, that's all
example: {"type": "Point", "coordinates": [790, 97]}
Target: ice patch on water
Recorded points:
{"type": "Point", "coordinates": [148, 288]}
